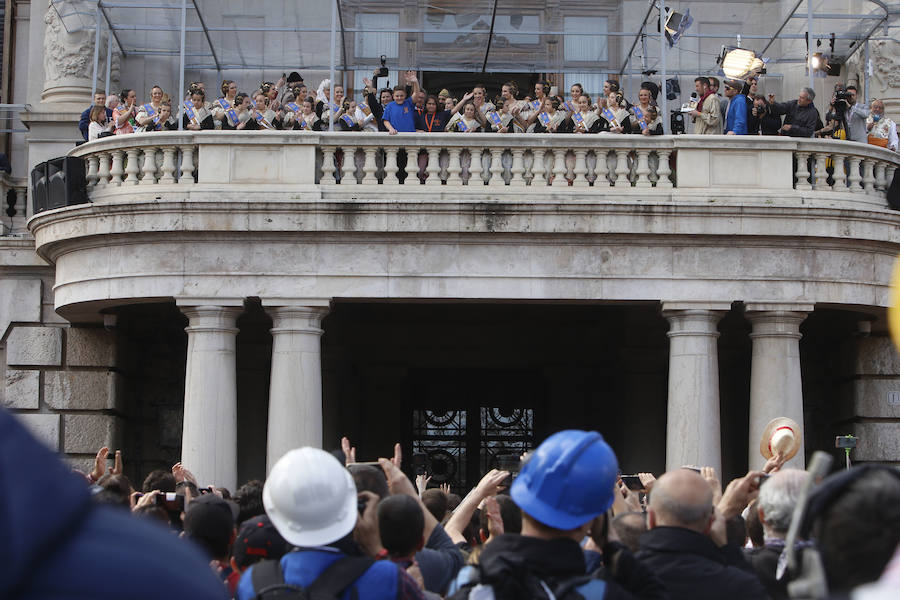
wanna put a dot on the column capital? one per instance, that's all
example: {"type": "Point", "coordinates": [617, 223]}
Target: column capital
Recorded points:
{"type": "Point", "coordinates": [776, 323]}
{"type": "Point", "coordinates": [297, 315]}
{"type": "Point", "coordinates": [691, 320]}
{"type": "Point", "coordinates": [212, 318]}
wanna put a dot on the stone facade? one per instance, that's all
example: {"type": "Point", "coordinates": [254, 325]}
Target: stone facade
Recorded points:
{"type": "Point", "coordinates": [744, 256]}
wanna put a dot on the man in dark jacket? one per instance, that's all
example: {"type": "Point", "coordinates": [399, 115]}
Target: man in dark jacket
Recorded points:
{"type": "Point", "coordinates": [801, 115]}
{"type": "Point", "coordinates": [58, 544]}
{"type": "Point", "coordinates": [686, 545]}
{"type": "Point", "coordinates": [564, 491]}
{"type": "Point", "coordinates": [85, 120]}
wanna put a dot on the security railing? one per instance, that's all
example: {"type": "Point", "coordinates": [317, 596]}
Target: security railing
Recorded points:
{"type": "Point", "coordinates": [720, 165]}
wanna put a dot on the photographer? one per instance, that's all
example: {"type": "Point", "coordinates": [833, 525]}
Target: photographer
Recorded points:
{"type": "Point", "coordinates": [855, 113]}
{"type": "Point", "coordinates": [801, 115]}
{"type": "Point", "coordinates": [761, 120]}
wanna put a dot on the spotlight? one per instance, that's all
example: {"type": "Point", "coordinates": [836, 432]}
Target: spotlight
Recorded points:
{"type": "Point", "coordinates": [816, 61]}
{"type": "Point", "coordinates": [737, 63]}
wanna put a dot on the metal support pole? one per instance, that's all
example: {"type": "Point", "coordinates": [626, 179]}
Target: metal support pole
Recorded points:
{"type": "Point", "coordinates": [331, 76]}
{"type": "Point", "coordinates": [109, 42]}
{"type": "Point", "coordinates": [662, 66]}
{"type": "Point", "coordinates": [181, 66]}
{"type": "Point", "coordinates": [809, 43]}
{"type": "Point", "coordinates": [97, 27]}
{"type": "Point", "coordinates": [866, 74]}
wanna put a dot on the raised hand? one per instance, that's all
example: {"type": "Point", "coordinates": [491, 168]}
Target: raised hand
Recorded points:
{"type": "Point", "coordinates": [709, 474]}
{"type": "Point", "coordinates": [647, 479]}
{"type": "Point", "coordinates": [422, 483]}
{"type": "Point", "coordinates": [490, 484]}
{"type": "Point", "coordinates": [99, 469]}
{"type": "Point", "coordinates": [398, 455]}
{"type": "Point", "coordinates": [495, 521]}
{"type": "Point", "coordinates": [445, 487]}
{"type": "Point", "coordinates": [182, 474]}
{"type": "Point", "coordinates": [349, 452]}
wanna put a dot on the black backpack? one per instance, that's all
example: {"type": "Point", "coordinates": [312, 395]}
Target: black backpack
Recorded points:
{"type": "Point", "coordinates": [268, 580]}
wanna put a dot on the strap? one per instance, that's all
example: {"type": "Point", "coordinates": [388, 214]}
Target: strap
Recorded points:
{"type": "Point", "coordinates": [265, 574]}
{"type": "Point", "coordinates": [339, 575]}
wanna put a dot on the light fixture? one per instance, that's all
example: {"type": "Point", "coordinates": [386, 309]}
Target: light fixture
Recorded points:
{"type": "Point", "coordinates": [816, 61]}
{"type": "Point", "coordinates": [737, 63]}
{"type": "Point", "coordinates": [677, 24]}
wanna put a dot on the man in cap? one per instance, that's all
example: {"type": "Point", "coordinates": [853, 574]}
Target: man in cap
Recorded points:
{"type": "Point", "coordinates": [687, 545]}
{"type": "Point", "coordinates": [256, 540]}
{"type": "Point", "coordinates": [736, 113]}
{"type": "Point", "coordinates": [312, 501]}
{"type": "Point", "coordinates": [564, 491]}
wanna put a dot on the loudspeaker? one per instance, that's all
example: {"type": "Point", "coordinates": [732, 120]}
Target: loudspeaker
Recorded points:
{"type": "Point", "coordinates": [57, 183]}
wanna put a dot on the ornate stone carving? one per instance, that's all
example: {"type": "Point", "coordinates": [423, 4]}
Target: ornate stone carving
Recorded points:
{"type": "Point", "coordinates": [68, 61]}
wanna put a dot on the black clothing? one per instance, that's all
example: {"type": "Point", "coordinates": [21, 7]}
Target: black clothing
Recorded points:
{"type": "Point", "coordinates": [692, 567]}
{"type": "Point", "coordinates": [514, 565]}
{"type": "Point", "coordinates": [765, 562]}
{"type": "Point", "coordinates": [206, 123]}
{"type": "Point", "coordinates": [432, 123]}
{"type": "Point", "coordinates": [802, 119]}
{"type": "Point", "coordinates": [377, 109]}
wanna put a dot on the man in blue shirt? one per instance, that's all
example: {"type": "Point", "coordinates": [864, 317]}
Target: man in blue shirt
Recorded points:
{"type": "Point", "coordinates": [399, 115]}
{"type": "Point", "coordinates": [736, 116]}
{"type": "Point", "coordinates": [99, 100]}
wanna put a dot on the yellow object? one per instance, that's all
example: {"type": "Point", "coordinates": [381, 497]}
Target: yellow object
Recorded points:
{"type": "Point", "coordinates": [894, 307]}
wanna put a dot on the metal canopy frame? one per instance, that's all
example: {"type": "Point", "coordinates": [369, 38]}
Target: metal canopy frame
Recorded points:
{"type": "Point", "coordinates": [103, 13]}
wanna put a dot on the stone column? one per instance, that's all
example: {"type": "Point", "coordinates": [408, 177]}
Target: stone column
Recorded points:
{"type": "Point", "coordinates": [693, 432]}
{"type": "Point", "coordinates": [295, 390]}
{"type": "Point", "coordinates": [775, 384]}
{"type": "Point", "coordinates": [209, 438]}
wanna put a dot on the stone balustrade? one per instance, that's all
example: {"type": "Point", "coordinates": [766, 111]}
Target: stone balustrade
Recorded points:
{"type": "Point", "coordinates": [652, 165]}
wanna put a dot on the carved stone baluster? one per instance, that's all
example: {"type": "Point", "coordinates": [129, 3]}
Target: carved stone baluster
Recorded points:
{"type": "Point", "coordinates": [187, 166]}
{"type": "Point", "coordinates": [454, 168]}
{"type": "Point", "coordinates": [475, 167]}
{"type": "Point", "coordinates": [390, 165]}
{"type": "Point", "coordinates": [148, 171]}
{"type": "Point", "coordinates": [602, 168]}
{"type": "Point", "coordinates": [412, 165]}
{"type": "Point", "coordinates": [879, 176]}
{"type": "Point", "coordinates": [855, 178]}
{"type": "Point", "coordinates": [328, 165]}
{"type": "Point", "coordinates": [537, 168]}
{"type": "Point", "coordinates": [642, 171]}
{"type": "Point", "coordinates": [622, 168]}
{"type": "Point", "coordinates": [168, 165]}
{"type": "Point", "coordinates": [802, 171]}
{"type": "Point", "coordinates": [581, 170]}
{"type": "Point", "coordinates": [868, 180]}
{"type": "Point", "coordinates": [840, 177]}
{"type": "Point", "coordinates": [118, 167]}
{"type": "Point", "coordinates": [559, 168]}
{"type": "Point", "coordinates": [496, 167]}
{"type": "Point", "coordinates": [664, 170]}
{"type": "Point", "coordinates": [821, 172]}
{"type": "Point", "coordinates": [517, 171]}
{"type": "Point", "coordinates": [92, 175]}
{"type": "Point", "coordinates": [103, 169]}
{"type": "Point", "coordinates": [348, 168]}
{"type": "Point", "coordinates": [434, 166]}
{"type": "Point", "coordinates": [369, 166]}
{"type": "Point", "coordinates": [133, 166]}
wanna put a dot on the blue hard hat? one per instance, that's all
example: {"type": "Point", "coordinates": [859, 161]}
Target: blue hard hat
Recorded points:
{"type": "Point", "coordinates": [568, 480]}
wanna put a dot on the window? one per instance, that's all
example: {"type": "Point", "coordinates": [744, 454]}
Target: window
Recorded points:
{"type": "Point", "coordinates": [586, 48]}
{"type": "Point", "coordinates": [592, 83]}
{"type": "Point", "coordinates": [371, 45]}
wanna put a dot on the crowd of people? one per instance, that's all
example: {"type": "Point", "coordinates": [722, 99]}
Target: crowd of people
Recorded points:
{"type": "Point", "coordinates": [289, 105]}
{"type": "Point", "coordinates": [322, 525]}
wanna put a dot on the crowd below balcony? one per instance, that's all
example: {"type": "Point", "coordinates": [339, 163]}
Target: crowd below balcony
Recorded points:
{"type": "Point", "coordinates": [289, 105]}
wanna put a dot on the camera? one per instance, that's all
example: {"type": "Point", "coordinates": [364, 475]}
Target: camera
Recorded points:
{"type": "Point", "coordinates": [383, 70]}
{"type": "Point", "coordinates": [842, 95]}
{"type": "Point", "coordinates": [676, 122]}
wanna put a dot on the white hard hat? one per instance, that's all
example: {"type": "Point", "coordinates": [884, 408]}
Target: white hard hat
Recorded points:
{"type": "Point", "coordinates": [310, 498]}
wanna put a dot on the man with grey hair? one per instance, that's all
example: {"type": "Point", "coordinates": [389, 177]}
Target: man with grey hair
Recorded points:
{"type": "Point", "coordinates": [801, 115]}
{"type": "Point", "coordinates": [686, 545]}
{"type": "Point", "coordinates": [777, 498]}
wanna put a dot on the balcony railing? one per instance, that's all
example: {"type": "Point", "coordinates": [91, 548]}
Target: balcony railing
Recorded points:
{"type": "Point", "coordinates": [653, 165]}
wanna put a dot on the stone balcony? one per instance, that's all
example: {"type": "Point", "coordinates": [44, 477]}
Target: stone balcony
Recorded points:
{"type": "Point", "coordinates": [535, 217]}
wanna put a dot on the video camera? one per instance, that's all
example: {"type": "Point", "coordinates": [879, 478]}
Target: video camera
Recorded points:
{"type": "Point", "coordinates": [383, 70]}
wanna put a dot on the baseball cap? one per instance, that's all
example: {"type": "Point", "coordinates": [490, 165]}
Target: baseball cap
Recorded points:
{"type": "Point", "coordinates": [257, 540]}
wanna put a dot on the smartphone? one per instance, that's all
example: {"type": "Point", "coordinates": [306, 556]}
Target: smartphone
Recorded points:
{"type": "Point", "coordinates": [633, 483]}
{"type": "Point", "coordinates": [361, 504]}
{"type": "Point", "coordinates": [845, 441]}
{"type": "Point", "coordinates": [171, 501]}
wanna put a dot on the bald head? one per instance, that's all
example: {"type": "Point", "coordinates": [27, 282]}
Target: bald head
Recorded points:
{"type": "Point", "coordinates": [681, 498]}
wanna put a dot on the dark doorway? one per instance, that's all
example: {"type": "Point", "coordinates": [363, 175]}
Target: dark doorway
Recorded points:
{"type": "Point", "coordinates": [458, 83]}
{"type": "Point", "coordinates": [465, 422]}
